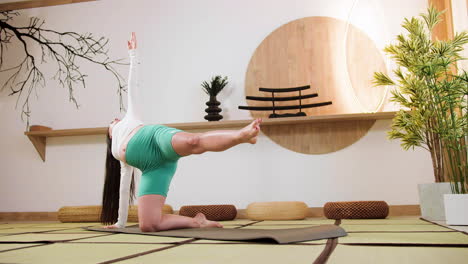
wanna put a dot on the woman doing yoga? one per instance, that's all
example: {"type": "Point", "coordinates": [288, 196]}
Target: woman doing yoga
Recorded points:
{"type": "Point", "coordinates": [155, 150]}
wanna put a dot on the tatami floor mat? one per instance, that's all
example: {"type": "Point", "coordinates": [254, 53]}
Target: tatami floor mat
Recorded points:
{"type": "Point", "coordinates": [400, 240]}
{"type": "Point", "coordinates": [73, 231]}
{"type": "Point", "coordinates": [45, 237]}
{"type": "Point", "coordinates": [74, 253]}
{"type": "Point", "coordinates": [30, 230]}
{"type": "Point", "coordinates": [436, 238]}
{"type": "Point", "coordinates": [401, 255]}
{"type": "Point", "coordinates": [235, 254]}
{"type": "Point", "coordinates": [394, 228]}
{"type": "Point", "coordinates": [130, 238]}
{"type": "Point", "coordinates": [17, 225]}
{"type": "Point", "coordinates": [13, 246]}
{"type": "Point", "coordinates": [387, 221]}
{"type": "Point", "coordinates": [69, 225]}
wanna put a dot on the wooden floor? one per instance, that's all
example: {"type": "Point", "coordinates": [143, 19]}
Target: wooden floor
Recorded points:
{"type": "Point", "coordinates": [392, 240]}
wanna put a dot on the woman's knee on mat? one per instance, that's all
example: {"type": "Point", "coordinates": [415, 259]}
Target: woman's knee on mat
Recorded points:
{"type": "Point", "coordinates": [147, 226]}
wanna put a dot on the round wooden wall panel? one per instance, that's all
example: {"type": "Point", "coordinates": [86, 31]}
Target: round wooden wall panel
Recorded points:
{"type": "Point", "coordinates": [337, 60]}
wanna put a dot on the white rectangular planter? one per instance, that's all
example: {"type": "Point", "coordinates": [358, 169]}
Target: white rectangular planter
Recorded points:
{"type": "Point", "coordinates": [431, 200]}
{"type": "Point", "coordinates": [456, 209]}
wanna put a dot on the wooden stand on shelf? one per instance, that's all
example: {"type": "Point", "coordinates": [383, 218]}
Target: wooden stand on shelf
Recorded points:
{"type": "Point", "coordinates": [274, 99]}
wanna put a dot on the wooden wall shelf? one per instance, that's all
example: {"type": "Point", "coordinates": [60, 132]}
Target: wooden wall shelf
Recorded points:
{"type": "Point", "coordinates": [39, 134]}
{"type": "Point", "coordinates": [17, 5]}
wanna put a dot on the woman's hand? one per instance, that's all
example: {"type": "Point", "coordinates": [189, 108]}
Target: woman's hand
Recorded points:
{"type": "Point", "coordinates": [132, 43]}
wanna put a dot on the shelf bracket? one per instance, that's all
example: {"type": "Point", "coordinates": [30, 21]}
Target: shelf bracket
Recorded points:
{"type": "Point", "coordinates": [39, 142]}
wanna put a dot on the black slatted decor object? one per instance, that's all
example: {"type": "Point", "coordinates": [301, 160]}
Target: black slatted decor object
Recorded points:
{"type": "Point", "coordinates": [274, 99]}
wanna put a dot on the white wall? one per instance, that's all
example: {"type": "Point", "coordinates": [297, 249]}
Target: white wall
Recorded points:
{"type": "Point", "coordinates": [183, 43]}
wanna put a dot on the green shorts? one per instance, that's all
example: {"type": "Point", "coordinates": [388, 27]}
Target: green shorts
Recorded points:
{"type": "Point", "coordinates": [151, 151]}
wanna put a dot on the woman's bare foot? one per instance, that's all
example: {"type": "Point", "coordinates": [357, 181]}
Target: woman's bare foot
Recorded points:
{"type": "Point", "coordinates": [250, 132]}
{"type": "Point", "coordinates": [203, 222]}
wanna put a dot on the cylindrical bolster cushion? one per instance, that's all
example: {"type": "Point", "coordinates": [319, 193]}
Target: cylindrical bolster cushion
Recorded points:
{"type": "Point", "coordinates": [277, 210]}
{"type": "Point", "coordinates": [356, 210]}
{"type": "Point", "coordinates": [218, 212]}
{"type": "Point", "coordinates": [70, 214]}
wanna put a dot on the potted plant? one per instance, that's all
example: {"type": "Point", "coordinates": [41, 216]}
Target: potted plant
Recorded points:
{"type": "Point", "coordinates": [212, 89]}
{"type": "Point", "coordinates": [433, 96]}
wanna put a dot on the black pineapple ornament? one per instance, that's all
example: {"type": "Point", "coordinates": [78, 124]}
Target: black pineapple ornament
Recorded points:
{"type": "Point", "coordinates": [213, 110]}
{"type": "Point", "coordinates": [212, 89]}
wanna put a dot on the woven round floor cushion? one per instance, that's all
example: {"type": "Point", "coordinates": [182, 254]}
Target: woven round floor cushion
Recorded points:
{"type": "Point", "coordinates": [277, 211]}
{"type": "Point", "coordinates": [70, 214]}
{"type": "Point", "coordinates": [217, 212]}
{"type": "Point", "coordinates": [356, 210]}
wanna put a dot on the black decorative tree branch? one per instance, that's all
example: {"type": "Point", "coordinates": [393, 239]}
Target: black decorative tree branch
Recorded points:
{"type": "Point", "coordinates": [64, 49]}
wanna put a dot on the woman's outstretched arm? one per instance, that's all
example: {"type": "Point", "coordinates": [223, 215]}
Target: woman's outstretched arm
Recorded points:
{"type": "Point", "coordinates": [133, 82]}
{"type": "Point", "coordinates": [126, 173]}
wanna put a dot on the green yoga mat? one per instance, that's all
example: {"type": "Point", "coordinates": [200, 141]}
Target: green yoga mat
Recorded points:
{"type": "Point", "coordinates": [280, 236]}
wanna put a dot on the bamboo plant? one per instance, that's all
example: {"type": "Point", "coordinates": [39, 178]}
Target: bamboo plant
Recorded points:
{"type": "Point", "coordinates": [433, 95]}
{"type": "Point", "coordinates": [216, 85]}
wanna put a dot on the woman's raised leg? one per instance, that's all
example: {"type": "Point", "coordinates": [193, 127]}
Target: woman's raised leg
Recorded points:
{"type": "Point", "coordinates": [196, 143]}
{"type": "Point", "coordinates": [151, 218]}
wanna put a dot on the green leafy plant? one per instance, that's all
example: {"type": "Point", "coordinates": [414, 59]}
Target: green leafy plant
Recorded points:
{"type": "Point", "coordinates": [433, 97]}
{"type": "Point", "coordinates": [216, 85]}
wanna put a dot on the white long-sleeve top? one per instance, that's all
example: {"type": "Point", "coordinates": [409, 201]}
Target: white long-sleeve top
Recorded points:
{"type": "Point", "coordinates": [120, 132]}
